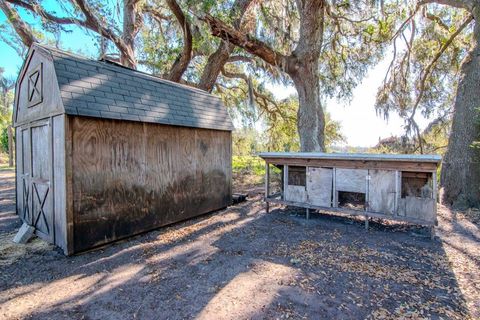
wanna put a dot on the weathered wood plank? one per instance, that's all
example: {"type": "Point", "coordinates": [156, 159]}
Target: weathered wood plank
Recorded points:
{"type": "Point", "coordinates": [69, 184]}
{"type": "Point", "coordinates": [41, 193]}
{"type": "Point", "coordinates": [59, 182]}
{"type": "Point", "coordinates": [319, 186]}
{"type": "Point", "coordinates": [351, 164]}
{"type": "Point", "coordinates": [420, 208]}
{"type": "Point", "coordinates": [295, 193]}
{"type": "Point", "coordinates": [351, 180]}
{"type": "Point", "coordinates": [47, 85]}
{"type": "Point", "coordinates": [381, 190]}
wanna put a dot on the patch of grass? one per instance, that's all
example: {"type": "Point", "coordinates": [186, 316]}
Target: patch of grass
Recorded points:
{"type": "Point", "coordinates": [248, 164]}
{"type": "Point", "coordinates": [4, 166]}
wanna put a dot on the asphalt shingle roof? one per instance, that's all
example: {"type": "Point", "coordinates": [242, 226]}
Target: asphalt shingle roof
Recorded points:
{"type": "Point", "coordinates": [104, 90]}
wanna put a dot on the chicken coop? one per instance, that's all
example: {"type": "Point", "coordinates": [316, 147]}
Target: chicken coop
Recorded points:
{"type": "Point", "coordinates": [105, 152]}
{"type": "Point", "coordinates": [394, 187]}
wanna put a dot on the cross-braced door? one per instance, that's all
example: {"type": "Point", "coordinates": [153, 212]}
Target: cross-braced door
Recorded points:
{"type": "Point", "coordinates": [36, 198]}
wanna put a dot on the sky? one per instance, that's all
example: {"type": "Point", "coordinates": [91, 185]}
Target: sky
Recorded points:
{"type": "Point", "coordinates": [359, 122]}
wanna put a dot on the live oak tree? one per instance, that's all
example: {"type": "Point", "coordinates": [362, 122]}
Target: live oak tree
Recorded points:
{"type": "Point", "coordinates": [165, 37]}
{"type": "Point", "coordinates": [438, 75]}
{"type": "Point", "coordinates": [324, 48]}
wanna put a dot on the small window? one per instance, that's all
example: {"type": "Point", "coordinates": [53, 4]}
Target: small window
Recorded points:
{"type": "Point", "coordinates": [417, 184]}
{"type": "Point", "coordinates": [297, 176]}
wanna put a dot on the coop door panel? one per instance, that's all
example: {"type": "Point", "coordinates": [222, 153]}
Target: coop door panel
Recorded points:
{"type": "Point", "coordinates": [381, 191]}
{"type": "Point", "coordinates": [417, 208]}
{"type": "Point", "coordinates": [40, 192]}
{"type": "Point", "coordinates": [295, 193]}
{"type": "Point", "coordinates": [319, 186]}
{"type": "Point", "coordinates": [351, 180]}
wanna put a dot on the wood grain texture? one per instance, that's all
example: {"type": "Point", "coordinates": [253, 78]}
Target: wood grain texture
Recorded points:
{"type": "Point", "coordinates": [418, 208]}
{"type": "Point", "coordinates": [319, 186]}
{"type": "Point", "coordinates": [130, 177]}
{"type": "Point", "coordinates": [355, 164]}
{"type": "Point", "coordinates": [295, 193]}
{"type": "Point", "coordinates": [40, 189]}
{"type": "Point", "coordinates": [381, 191]}
{"type": "Point", "coordinates": [351, 180]}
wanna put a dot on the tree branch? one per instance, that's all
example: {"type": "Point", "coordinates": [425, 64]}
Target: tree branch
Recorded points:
{"type": "Point", "coordinates": [94, 24]}
{"type": "Point", "coordinates": [248, 43]}
{"type": "Point", "coordinates": [218, 59]}
{"type": "Point", "coordinates": [157, 15]}
{"type": "Point", "coordinates": [39, 10]}
{"type": "Point", "coordinates": [183, 59]}
{"type": "Point", "coordinates": [432, 63]}
{"type": "Point", "coordinates": [23, 30]}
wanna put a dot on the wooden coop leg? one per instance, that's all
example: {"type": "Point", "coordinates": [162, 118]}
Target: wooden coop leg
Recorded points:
{"type": "Point", "coordinates": [268, 208]}
{"type": "Point", "coordinates": [308, 213]}
{"type": "Point", "coordinates": [432, 232]}
{"type": "Point", "coordinates": [366, 222]}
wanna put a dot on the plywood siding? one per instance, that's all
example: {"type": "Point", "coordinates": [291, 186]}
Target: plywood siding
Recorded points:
{"type": "Point", "coordinates": [319, 186]}
{"type": "Point", "coordinates": [381, 191]}
{"type": "Point", "coordinates": [295, 193]}
{"type": "Point", "coordinates": [351, 180]}
{"type": "Point", "coordinates": [417, 208]}
{"type": "Point", "coordinates": [131, 177]}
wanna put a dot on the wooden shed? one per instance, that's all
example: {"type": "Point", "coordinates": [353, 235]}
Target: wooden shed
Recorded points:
{"type": "Point", "coordinates": [396, 187]}
{"type": "Point", "coordinates": [105, 152]}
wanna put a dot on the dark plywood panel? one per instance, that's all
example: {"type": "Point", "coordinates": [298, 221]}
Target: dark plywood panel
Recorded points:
{"type": "Point", "coordinates": [130, 177]}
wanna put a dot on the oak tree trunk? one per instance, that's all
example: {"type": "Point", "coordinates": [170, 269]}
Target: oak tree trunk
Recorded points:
{"type": "Point", "coordinates": [460, 175]}
{"type": "Point", "coordinates": [310, 115]}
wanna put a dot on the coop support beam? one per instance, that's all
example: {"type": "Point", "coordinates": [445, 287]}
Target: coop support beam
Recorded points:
{"type": "Point", "coordinates": [267, 185]}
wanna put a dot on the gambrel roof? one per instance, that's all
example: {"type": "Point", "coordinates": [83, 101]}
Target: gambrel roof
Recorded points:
{"type": "Point", "coordinates": [105, 90]}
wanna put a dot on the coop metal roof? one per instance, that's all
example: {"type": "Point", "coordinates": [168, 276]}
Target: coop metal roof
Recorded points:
{"type": "Point", "coordinates": [352, 156]}
{"type": "Point", "coordinates": [103, 90]}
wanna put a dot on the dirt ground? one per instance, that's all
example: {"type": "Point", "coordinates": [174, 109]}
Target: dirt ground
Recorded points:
{"type": "Point", "coordinates": [241, 263]}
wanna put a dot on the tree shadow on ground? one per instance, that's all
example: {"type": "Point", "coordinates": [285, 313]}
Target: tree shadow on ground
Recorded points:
{"type": "Point", "coordinates": [242, 263]}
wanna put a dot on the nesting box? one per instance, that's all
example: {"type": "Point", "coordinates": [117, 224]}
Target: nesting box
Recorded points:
{"type": "Point", "coordinates": [398, 187]}
{"type": "Point", "coordinates": [105, 152]}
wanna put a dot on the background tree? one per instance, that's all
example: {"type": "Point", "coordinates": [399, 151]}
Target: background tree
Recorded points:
{"type": "Point", "coordinates": [438, 75]}
{"type": "Point", "coordinates": [6, 103]}
{"type": "Point", "coordinates": [325, 49]}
